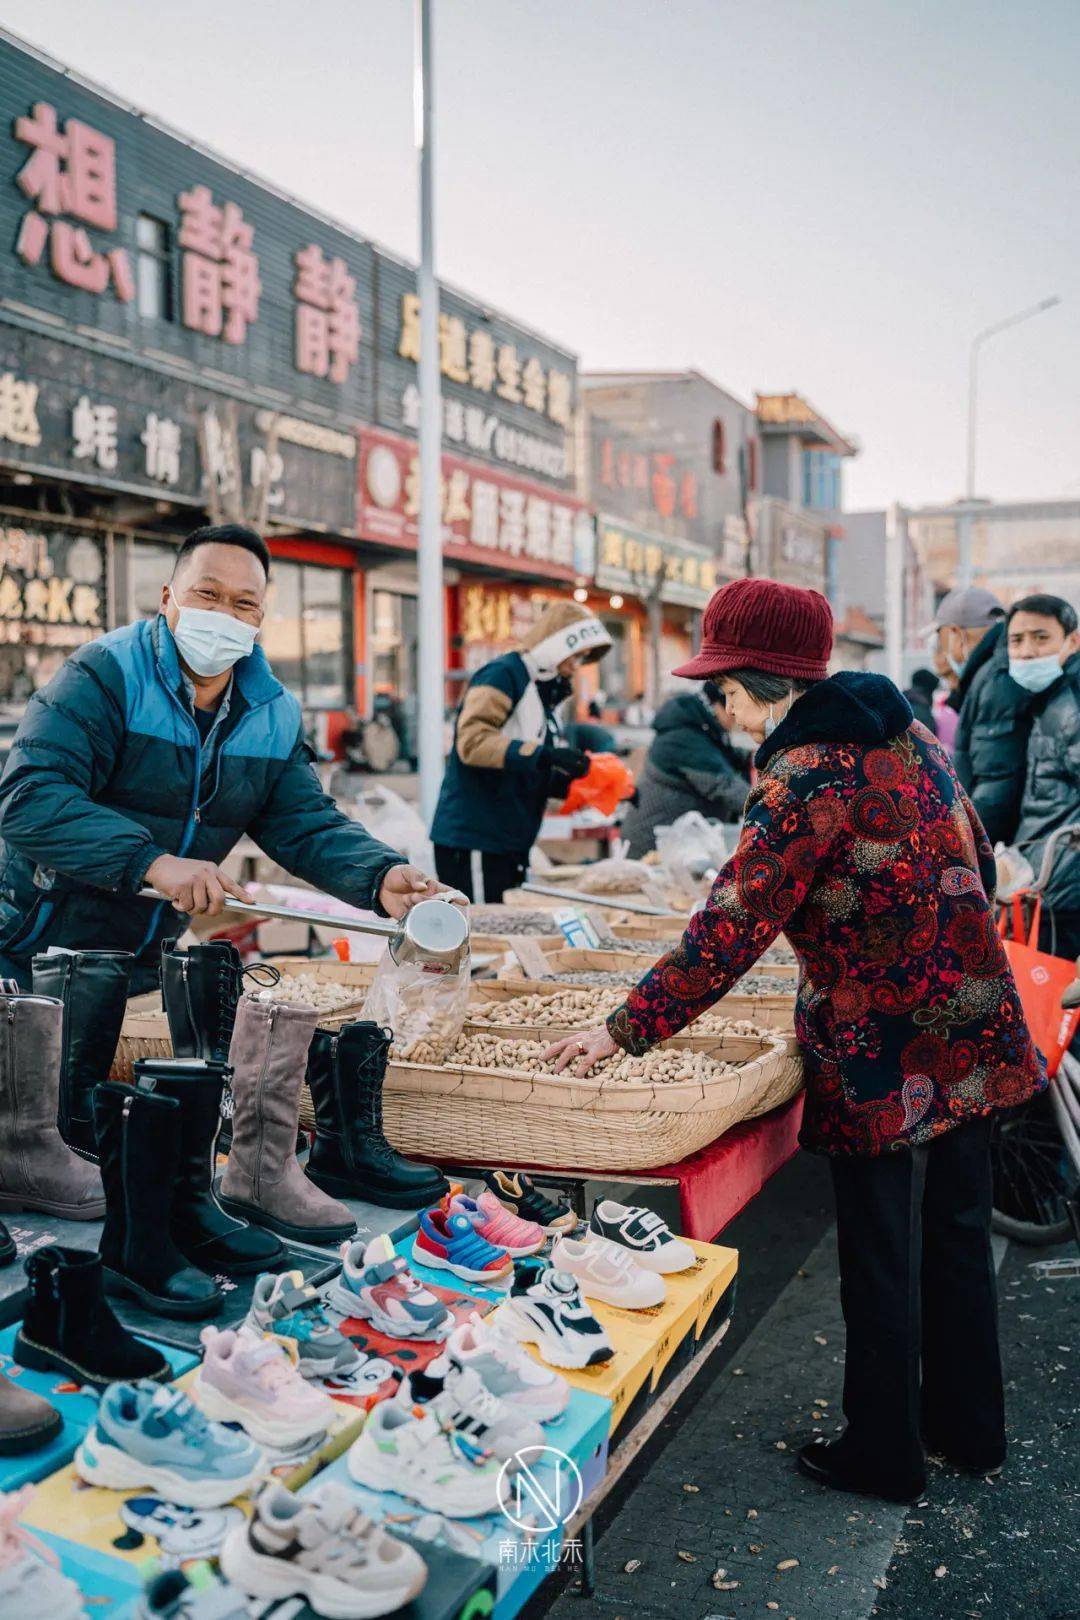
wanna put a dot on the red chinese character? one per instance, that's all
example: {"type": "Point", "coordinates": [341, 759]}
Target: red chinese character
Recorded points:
{"type": "Point", "coordinates": [220, 283]}
{"type": "Point", "coordinates": [622, 463]}
{"type": "Point", "coordinates": [641, 472]}
{"type": "Point", "coordinates": [688, 494]}
{"type": "Point", "coordinates": [327, 320]}
{"type": "Point", "coordinates": [607, 464]}
{"type": "Point", "coordinates": [663, 485]}
{"type": "Point", "coordinates": [70, 171]}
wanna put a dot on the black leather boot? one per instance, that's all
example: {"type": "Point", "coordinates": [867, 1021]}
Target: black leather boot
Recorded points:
{"type": "Point", "coordinates": [200, 988]}
{"type": "Point", "coordinates": [69, 1325]}
{"type": "Point", "coordinates": [350, 1156]}
{"type": "Point", "coordinates": [139, 1140]}
{"type": "Point", "coordinates": [200, 1228]}
{"type": "Point", "coordinates": [7, 1246]}
{"type": "Point", "coordinates": [93, 986]}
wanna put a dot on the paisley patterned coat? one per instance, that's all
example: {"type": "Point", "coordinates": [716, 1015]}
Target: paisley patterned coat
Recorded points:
{"type": "Point", "coordinates": [860, 844]}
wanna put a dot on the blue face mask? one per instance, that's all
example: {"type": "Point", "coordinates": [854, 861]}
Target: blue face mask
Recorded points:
{"type": "Point", "coordinates": [956, 665]}
{"type": "Point", "coordinates": [210, 643]}
{"type": "Point", "coordinates": [1035, 674]}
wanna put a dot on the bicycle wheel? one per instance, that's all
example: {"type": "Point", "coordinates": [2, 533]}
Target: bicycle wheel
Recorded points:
{"type": "Point", "coordinates": [1034, 1176]}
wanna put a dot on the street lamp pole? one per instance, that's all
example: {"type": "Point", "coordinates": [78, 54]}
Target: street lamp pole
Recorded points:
{"type": "Point", "coordinates": [429, 561]}
{"type": "Point", "coordinates": [964, 562]}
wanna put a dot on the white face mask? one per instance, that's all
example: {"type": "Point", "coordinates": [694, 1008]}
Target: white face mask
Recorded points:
{"type": "Point", "coordinates": [209, 642]}
{"type": "Point", "coordinates": [1035, 674]}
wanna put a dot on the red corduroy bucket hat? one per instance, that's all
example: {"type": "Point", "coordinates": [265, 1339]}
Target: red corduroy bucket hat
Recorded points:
{"type": "Point", "coordinates": [762, 624]}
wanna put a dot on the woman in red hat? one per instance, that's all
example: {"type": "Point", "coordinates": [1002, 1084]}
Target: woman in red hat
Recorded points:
{"type": "Point", "coordinates": [860, 844]}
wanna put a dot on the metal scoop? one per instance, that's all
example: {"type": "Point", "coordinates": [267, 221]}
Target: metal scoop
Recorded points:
{"type": "Point", "coordinates": [434, 933]}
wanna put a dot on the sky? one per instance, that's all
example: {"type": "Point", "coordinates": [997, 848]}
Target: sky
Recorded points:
{"type": "Point", "coordinates": [829, 196]}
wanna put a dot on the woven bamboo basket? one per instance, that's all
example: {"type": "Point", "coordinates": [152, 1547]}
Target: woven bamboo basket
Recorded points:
{"type": "Point", "coordinates": [500, 1116]}
{"type": "Point", "coordinates": [584, 960]}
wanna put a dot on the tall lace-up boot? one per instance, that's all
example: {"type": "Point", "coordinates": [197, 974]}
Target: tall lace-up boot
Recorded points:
{"type": "Point", "coordinates": [350, 1155]}
{"type": "Point", "coordinates": [93, 986]}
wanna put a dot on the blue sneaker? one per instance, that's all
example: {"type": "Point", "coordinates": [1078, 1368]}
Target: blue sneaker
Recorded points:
{"type": "Point", "coordinates": [287, 1308]}
{"type": "Point", "coordinates": [149, 1437]}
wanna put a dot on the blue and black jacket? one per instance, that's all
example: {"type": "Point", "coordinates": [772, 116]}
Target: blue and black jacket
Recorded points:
{"type": "Point", "coordinates": [104, 776]}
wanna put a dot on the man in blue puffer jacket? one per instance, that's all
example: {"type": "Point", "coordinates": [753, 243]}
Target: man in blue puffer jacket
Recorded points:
{"type": "Point", "coordinates": [147, 757]}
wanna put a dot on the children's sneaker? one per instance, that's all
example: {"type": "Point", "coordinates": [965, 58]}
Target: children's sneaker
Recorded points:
{"type": "Point", "coordinates": [150, 1437]}
{"type": "Point", "coordinates": [649, 1239]}
{"type": "Point", "coordinates": [460, 1401]}
{"type": "Point", "coordinates": [608, 1273]}
{"type": "Point", "coordinates": [452, 1243]}
{"type": "Point", "coordinates": [499, 1225]}
{"type": "Point", "coordinates": [412, 1453]}
{"type": "Point", "coordinates": [321, 1547]}
{"type": "Point", "coordinates": [253, 1381]}
{"type": "Point", "coordinates": [508, 1371]}
{"type": "Point", "coordinates": [516, 1192]}
{"type": "Point", "coordinates": [377, 1286]}
{"type": "Point", "coordinates": [546, 1309]}
{"type": "Point", "coordinates": [288, 1308]}
{"type": "Point", "coordinates": [31, 1582]}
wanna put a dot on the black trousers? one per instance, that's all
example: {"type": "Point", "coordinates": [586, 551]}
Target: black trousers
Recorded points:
{"type": "Point", "coordinates": [482, 876]}
{"type": "Point", "coordinates": [918, 1290]}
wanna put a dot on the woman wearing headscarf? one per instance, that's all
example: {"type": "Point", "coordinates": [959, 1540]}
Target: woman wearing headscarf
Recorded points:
{"type": "Point", "coordinates": [860, 844]}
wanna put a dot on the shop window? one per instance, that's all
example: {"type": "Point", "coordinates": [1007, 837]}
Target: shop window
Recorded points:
{"type": "Point", "coordinates": [719, 447]}
{"type": "Point", "coordinates": [307, 632]}
{"type": "Point", "coordinates": [150, 564]}
{"type": "Point", "coordinates": [821, 480]}
{"type": "Point", "coordinates": [153, 269]}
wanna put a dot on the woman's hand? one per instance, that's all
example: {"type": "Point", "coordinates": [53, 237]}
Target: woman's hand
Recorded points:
{"type": "Point", "coordinates": [592, 1046]}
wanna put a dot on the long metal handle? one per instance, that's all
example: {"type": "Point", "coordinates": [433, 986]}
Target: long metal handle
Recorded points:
{"type": "Point", "coordinates": [383, 927]}
{"type": "Point", "coordinates": [596, 900]}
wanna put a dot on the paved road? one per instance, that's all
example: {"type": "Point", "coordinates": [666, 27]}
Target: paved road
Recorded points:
{"type": "Point", "coordinates": [717, 1490]}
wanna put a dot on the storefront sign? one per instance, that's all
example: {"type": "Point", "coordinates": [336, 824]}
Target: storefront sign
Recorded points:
{"type": "Point", "coordinates": [638, 564]}
{"type": "Point", "coordinates": [52, 585]}
{"type": "Point", "coordinates": [80, 415]}
{"type": "Point", "coordinates": [105, 217]}
{"type": "Point", "coordinates": [508, 397]}
{"type": "Point", "coordinates": [650, 483]}
{"type": "Point", "coordinates": [487, 517]}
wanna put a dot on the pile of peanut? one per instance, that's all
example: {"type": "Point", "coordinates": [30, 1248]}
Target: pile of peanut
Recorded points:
{"type": "Point", "coordinates": [579, 1009]}
{"type": "Point", "coordinates": [306, 990]}
{"type": "Point", "coordinates": [665, 1066]}
{"type": "Point", "coordinates": [604, 877]}
{"type": "Point", "coordinates": [508, 920]}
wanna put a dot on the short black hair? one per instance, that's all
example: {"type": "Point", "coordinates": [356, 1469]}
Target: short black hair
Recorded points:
{"type": "Point", "coordinates": [766, 688]}
{"type": "Point", "coordinates": [225, 534]}
{"type": "Point", "coordinates": [1048, 607]}
{"type": "Point", "coordinates": [924, 680]}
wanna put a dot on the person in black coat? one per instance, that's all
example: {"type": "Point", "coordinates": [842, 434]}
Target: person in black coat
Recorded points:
{"type": "Point", "coordinates": [920, 694]}
{"type": "Point", "coordinates": [990, 754]}
{"type": "Point", "coordinates": [691, 765]}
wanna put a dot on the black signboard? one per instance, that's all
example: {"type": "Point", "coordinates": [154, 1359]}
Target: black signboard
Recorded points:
{"type": "Point", "coordinates": [72, 412]}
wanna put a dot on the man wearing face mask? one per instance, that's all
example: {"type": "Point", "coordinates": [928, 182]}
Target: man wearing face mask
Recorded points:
{"type": "Point", "coordinates": [146, 758]}
{"type": "Point", "coordinates": [508, 755]}
{"type": "Point", "coordinates": [990, 750]}
{"type": "Point", "coordinates": [1044, 659]}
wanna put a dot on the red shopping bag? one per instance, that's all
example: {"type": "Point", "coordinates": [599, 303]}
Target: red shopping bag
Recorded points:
{"type": "Point", "coordinates": [1041, 980]}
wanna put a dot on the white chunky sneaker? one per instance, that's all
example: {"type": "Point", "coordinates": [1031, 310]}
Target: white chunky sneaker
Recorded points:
{"type": "Point", "coordinates": [413, 1454]}
{"type": "Point", "coordinates": [641, 1231]}
{"type": "Point", "coordinates": [508, 1371]}
{"type": "Point", "coordinates": [460, 1401]}
{"type": "Point", "coordinates": [545, 1308]}
{"type": "Point", "coordinates": [323, 1548]}
{"type": "Point", "coordinates": [608, 1273]}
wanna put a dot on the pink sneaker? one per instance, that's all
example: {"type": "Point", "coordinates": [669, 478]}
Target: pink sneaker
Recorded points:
{"type": "Point", "coordinates": [253, 1382]}
{"type": "Point", "coordinates": [499, 1225]}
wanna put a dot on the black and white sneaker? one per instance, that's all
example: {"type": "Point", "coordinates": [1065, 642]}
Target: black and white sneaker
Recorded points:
{"type": "Point", "coordinates": [514, 1189]}
{"type": "Point", "coordinates": [649, 1239]}
{"type": "Point", "coordinates": [545, 1308]}
{"type": "Point", "coordinates": [461, 1401]}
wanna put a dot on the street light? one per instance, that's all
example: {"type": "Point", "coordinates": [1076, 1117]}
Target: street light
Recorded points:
{"type": "Point", "coordinates": [965, 525]}
{"type": "Point", "coordinates": [973, 376]}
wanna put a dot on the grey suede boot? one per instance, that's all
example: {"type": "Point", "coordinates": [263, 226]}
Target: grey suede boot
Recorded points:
{"type": "Point", "coordinates": [263, 1181]}
{"type": "Point", "coordinates": [38, 1171]}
